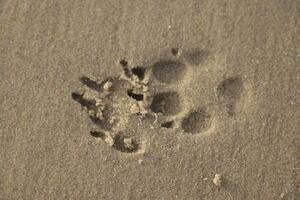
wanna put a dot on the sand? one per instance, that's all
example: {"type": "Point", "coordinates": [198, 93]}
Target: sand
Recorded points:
{"type": "Point", "coordinates": [149, 100]}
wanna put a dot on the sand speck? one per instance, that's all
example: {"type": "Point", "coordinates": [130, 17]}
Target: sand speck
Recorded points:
{"type": "Point", "coordinates": [217, 180]}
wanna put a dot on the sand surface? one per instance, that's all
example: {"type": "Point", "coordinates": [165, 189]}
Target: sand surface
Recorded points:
{"type": "Point", "coordinates": [149, 100]}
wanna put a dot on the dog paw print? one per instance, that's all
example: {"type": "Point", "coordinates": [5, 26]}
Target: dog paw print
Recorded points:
{"type": "Point", "coordinates": [147, 93]}
{"type": "Point", "coordinates": [171, 77]}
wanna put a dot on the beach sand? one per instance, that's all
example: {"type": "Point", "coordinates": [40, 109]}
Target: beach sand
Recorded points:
{"type": "Point", "coordinates": [176, 99]}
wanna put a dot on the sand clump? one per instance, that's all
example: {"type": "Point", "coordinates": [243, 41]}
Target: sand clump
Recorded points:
{"type": "Point", "coordinates": [217, 180]}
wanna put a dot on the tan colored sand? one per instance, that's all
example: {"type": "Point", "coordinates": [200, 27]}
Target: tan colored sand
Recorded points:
{"type": "Point", "coordinates": [234, 110]}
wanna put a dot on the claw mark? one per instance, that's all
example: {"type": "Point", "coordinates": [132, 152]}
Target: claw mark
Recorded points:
{"type": "Point", "coordinates": [102, 123]}
{"type": "Point", "coordinates": [124, 63]}
{"type": "Point", "coordinates": [168, 124]}
{"type": "Point", "coordinates": [105, 136]}
{"type": "Point", "coordinates": [139, 72]}
{"type": "Point", "coordinates": [125, 67]}
{"type": "Point", "coordinates": [90, 105]}
{"type": "Point", "coordinates": [90, 83]}
{"type": "Point", "coordinates": [136, 96]}
{"type": "Point", "coordinates": [97, 134]}
{"type": "Point", "coordinates": [98, 114]}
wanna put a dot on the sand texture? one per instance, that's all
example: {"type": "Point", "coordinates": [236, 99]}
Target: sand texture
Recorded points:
{"type": "Point", "coordinates": [149, 100]}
